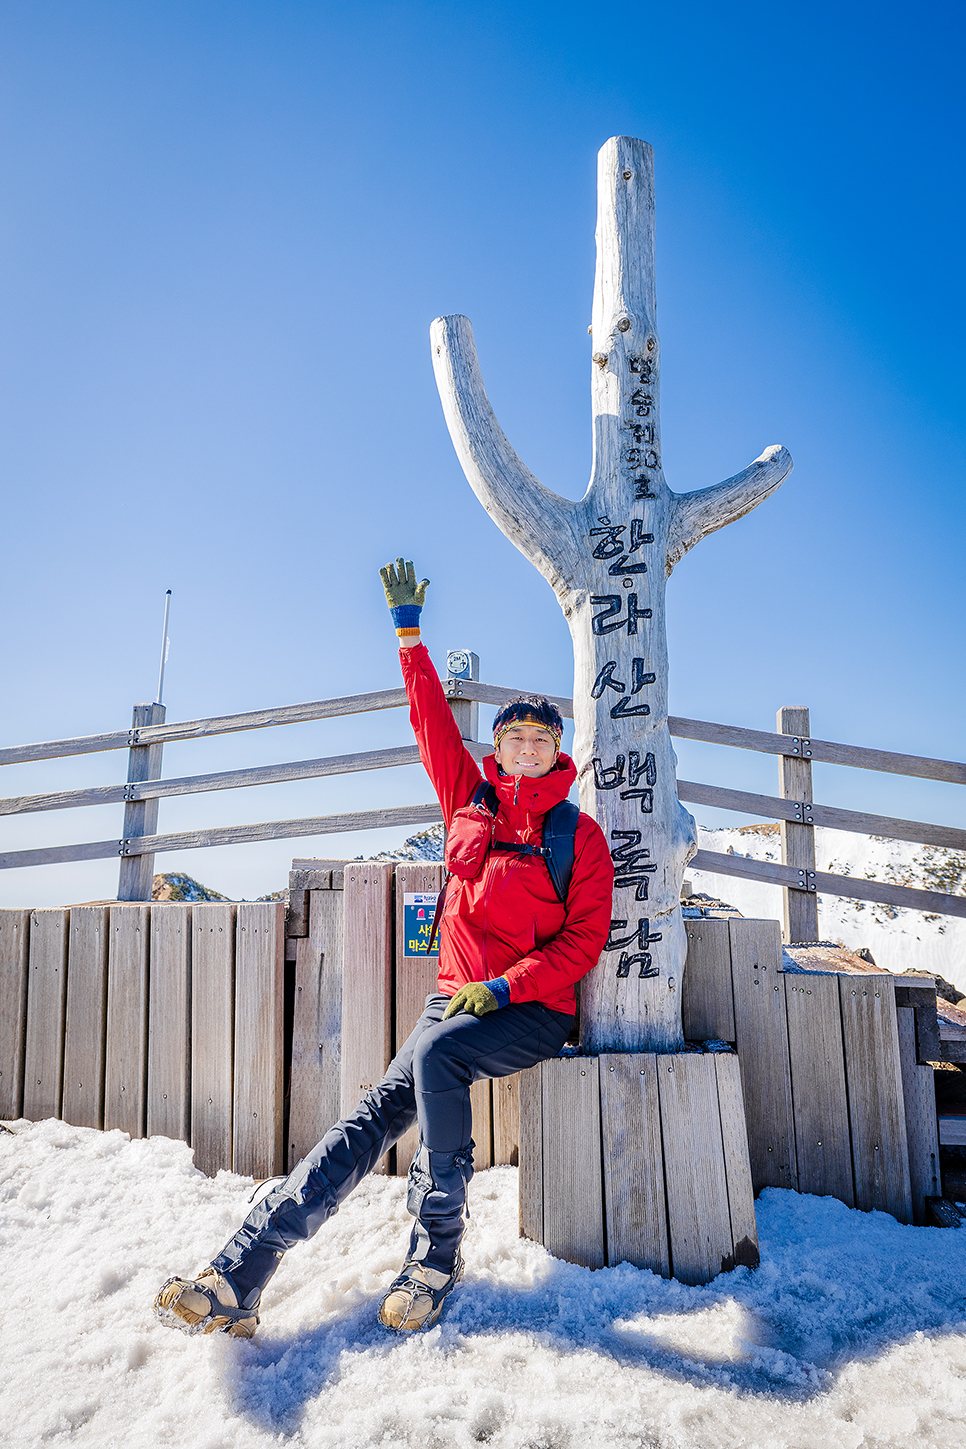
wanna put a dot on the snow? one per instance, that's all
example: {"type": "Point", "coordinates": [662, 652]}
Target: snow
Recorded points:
{"type": "Point", "coordinates": [899, 939]}
{"type": "Point", "coordinates": [851, 1333]}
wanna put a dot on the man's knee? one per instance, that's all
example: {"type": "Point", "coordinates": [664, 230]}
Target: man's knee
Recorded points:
{"type": "Point", "coordinates": [441, 1060]}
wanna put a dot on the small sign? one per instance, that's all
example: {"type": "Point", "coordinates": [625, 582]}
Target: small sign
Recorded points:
{"type": "Point", "coordinates": [418, 911]}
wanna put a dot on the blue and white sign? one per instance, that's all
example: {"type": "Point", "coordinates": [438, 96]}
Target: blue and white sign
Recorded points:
{"type": "Point", "coordinates": [419, 907]}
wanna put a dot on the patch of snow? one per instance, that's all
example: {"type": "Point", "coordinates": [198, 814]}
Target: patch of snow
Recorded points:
{"type": "Point", "coordinates": [850, 1334]}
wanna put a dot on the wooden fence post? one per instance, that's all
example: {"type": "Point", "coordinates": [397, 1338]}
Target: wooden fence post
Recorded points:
{"type": "Point", "coordinates": [463, 664]}
{"type": "Point", "coordinates": [140, 816]}
{"type": "Point", "coordinates": [798, 836]}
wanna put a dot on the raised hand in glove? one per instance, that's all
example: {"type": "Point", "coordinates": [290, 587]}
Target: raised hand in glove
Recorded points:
{"type": "Point", "coordinates": [479, 997]}
{"type": "Point", "coordinates": [404, 596]}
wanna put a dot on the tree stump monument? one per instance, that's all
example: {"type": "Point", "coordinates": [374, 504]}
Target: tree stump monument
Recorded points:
{"type": "Point", "coordinates": [607, 558]}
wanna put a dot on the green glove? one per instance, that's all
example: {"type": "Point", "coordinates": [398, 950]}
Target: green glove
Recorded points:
{"type": "Point", "coordinates": [476, 998]}
{"type": "Point", "coordinates": [404, 596]}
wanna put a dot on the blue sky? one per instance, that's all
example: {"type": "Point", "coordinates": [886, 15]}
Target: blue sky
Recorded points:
{"type": "Point", "coordinates": [225, 231]}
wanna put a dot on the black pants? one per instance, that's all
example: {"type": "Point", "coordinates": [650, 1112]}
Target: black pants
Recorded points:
{"type": "Point", "coordinates": [427, 1082]}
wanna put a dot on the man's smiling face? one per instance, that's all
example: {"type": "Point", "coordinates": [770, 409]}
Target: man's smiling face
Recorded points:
{"type": "Point", "coordinates": [526, 749]}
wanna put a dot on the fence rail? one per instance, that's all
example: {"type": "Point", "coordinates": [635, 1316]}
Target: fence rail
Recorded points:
{"type": "Point", "coordinates": [795, 809]}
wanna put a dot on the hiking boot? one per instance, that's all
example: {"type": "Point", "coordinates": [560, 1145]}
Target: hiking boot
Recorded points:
{"type": "Point", "coordinates": [415, 1299]}
{"type": "Point", "coordinates": [206, 1304]}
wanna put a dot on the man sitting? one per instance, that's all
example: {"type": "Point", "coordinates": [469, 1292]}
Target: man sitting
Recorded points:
{"type": "Point", "coordinates": [511, 952]}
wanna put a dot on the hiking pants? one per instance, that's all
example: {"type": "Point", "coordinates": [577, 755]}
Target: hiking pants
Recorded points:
{"type": "Point", "coordinates": [427, 1082]}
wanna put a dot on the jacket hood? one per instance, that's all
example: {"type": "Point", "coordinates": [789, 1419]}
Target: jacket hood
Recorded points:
{"type": "Point", "coordinates": [538, 794]}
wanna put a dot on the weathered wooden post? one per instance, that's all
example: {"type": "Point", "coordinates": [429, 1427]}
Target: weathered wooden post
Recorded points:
{"type": "Point", "coordinates": [800, 908]}
{"type": "Point", "coordinates": [676, 1193]}
{"type": "Point", "coordinates": [607, 558]}
{"type": "Point", "coordinates": [136, 876]}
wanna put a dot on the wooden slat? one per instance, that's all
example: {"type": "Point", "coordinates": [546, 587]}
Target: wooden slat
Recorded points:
{"type": "Point", "coordinates": [14, 938]}
{"type": "Point", "coordinates": [506, 1121]}
{"type": "Point", "coordinates": [734, 1138]}
{"type": "Point", "coordinates": [169, 1022]}
{"type": "Point", "coordinates": [699, 1222]}
{"type": "Point", "coordinates": [826, 751]}
{"type": "Point", "coordinates": [831, 816]}
{"type": "Point", "coordinates": [415, 979]}
{"type": "Point", "coordinates": [633, 1162]}
{"type": "Point", "coordinates": [194, 729]}
{"type": "Point", "coordinates": [212, 1019]}
{"type": "Point", "coordinates": [707, 1002]}
{"type": "Point", "coordinates": [499, 694]}
{"type": "Point", "coordinates": [531, 1154]}
{"type": "Point", "coordinates": [46, 1012]}
{"type": "Point", "coordinates": [761, 1036]}
{"type": "Point", "coordinates": [86, 1030]}
{"type": "Point", "coordinates": [316, 1092]}
{"type": "Point", "coordinates": [573, 1208]}
{"type": "Point", "coordinates": [481, 1103]}
{"type": "Point", "coordinates": [823, 1148]}
{"type": "Point", "coordinates": [851, 887]}
{"type": "Point", "coordinates": [366, 980]}
{"type": "Point", "coordinates": [152, 789]}
{"type": "Point", "coordinates": [126, 1058]}
{"type": "Point", "coordinates": [922, 1129]}
{"type": "Point", "coordinates": [880, 1154]}
{"type": "Point", "coordinates": [259, 1039]}
{"type": "Point", "coordinates": [393, 816]}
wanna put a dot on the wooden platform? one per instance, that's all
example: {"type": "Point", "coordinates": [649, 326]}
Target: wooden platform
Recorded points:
{"type": "Point", "coordinates": [638, 1158]}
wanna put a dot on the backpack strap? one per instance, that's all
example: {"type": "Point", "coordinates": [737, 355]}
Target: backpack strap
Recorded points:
{"type": "Point", "coordinates": [559, 830]}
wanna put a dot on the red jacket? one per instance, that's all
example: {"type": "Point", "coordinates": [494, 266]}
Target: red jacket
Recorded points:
{"type": "Point", "coordinates": [507, 921]}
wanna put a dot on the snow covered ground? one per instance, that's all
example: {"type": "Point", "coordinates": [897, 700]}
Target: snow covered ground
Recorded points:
{"type": "Point", "coordinates": [898, 939]}
{"type": "Point", "coordinates": [852, 1332]}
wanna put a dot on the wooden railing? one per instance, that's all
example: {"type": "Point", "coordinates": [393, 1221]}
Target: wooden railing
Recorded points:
{"type": "Point", "coordinates": [794, 808]}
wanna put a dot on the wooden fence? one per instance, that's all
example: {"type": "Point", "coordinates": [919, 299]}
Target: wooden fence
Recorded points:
{"type": "Point", "coordinates": [247, 1032]}
{"type": "Point", "coordinates": [793, 807]}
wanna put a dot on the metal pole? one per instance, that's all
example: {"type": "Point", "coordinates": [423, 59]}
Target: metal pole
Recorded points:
{"type": "Point", "coordinates": [164, 646]}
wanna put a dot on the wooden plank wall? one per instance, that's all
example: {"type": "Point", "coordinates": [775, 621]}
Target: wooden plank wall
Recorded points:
{"type": "Point", "coordinates": [836, 1103]}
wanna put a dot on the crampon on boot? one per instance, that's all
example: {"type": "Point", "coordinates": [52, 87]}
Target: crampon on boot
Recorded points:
{"type": "Point", "coordinates": [415, 1299]}
{"type": "Point", "coordinates": [206, 1304]}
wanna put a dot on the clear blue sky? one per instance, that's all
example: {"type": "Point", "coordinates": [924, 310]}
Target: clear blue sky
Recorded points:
{"type": "Point", "coordinates": [226, 228]}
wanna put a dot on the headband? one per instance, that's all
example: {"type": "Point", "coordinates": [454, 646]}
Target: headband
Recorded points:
{"type": "Point", "coordinates": [529, 719]}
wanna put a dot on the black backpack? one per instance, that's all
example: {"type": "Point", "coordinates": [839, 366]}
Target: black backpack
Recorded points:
{"type": "Point", "coordinates": [557, 849]}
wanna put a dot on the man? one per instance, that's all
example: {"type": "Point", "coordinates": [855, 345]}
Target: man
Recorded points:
{"type": "Point", "coordinates": [511, 952]}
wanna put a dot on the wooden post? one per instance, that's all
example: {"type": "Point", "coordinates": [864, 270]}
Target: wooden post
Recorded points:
{"type": "Point", "coordinates": [14, 936]}
{"type": "Point", "coordinates": [366, 979]}
{"type": "Point", "coordinates": [464, 664]}
{"type": "Point", "coordinates": [140, 816]}
{"type": "Point", "coordinates": [798, 836]}
{"type": "Point", "coordinates": [607, 558]}
{"type": "Point", "coordinates": [316, 1089]}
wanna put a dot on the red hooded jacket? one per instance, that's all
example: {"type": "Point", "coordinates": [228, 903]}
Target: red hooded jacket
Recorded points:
{"type": "Point", "coordinates": [507, 921]}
